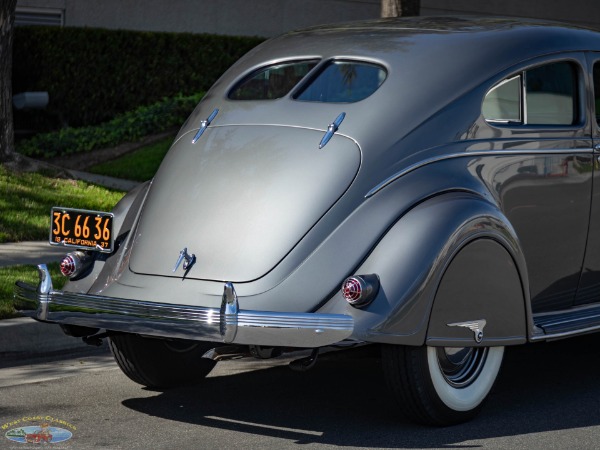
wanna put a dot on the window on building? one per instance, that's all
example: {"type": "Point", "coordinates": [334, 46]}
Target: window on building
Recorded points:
{"type": "Point", "coordinates": [39, 16]}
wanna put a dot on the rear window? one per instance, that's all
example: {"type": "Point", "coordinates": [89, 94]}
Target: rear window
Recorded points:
{"type": "Point", "coordinates": [272, 82]}
{"type": "Point", "coordinates": [335, 82]}
{"type": "Point", "coordinates": [343, 82]}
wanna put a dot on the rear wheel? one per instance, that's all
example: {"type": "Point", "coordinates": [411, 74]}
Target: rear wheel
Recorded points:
{"type": "Point", "coordinates": [441, 385]}
{"type": "Point", "coordinates": [161, 363]}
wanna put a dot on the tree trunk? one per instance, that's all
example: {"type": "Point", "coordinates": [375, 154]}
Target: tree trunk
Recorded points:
{"type": "Point", "coordinates": [7, 19]}
{"type": "Point", "coordinates": [397, 8]}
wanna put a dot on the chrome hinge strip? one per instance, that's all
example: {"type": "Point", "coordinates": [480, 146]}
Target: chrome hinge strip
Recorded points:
{"type": "Point", "coordinates": [331, 129]}
{"type": "Point", "coordinates": [204, 125]}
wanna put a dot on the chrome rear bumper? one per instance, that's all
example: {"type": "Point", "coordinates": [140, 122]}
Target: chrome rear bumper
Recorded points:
{"type": "Point", "coordinates": [228, 324]}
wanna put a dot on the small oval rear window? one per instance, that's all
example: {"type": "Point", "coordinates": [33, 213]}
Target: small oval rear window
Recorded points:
{"type": "Point", "coordinates": [343, 82]}
{"type": "Point", "coordinates": [272, 82]}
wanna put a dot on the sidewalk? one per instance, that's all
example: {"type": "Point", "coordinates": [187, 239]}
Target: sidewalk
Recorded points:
{"type": "Point", "coordinates": [35, 253]}
{"type": "Point", "coordinates": [24, 337]}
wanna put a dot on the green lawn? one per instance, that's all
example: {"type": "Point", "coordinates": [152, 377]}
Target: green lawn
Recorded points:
{"type": "Point", "coordinates": [26, 200]}
{"type": "Point", "coordinates": [25, 203]}
{"type": "Point", "coordinates": [140, 165]}
{"type": "Point", "coordinates": [8, 276]}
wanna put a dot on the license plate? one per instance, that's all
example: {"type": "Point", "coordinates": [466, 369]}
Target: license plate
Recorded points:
{"type": "Point", "coordinates": [89, 230]}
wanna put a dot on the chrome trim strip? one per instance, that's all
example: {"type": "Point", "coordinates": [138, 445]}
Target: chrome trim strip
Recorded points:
{"type": "Point", "coordinates": [565, 334]}
{"type": "Point", "coordinates": [230, 325]}
{"type": "Point", "coordinates": [435, 159]}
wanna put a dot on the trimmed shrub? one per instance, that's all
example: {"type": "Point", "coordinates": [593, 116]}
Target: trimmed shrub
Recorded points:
{"type": "Point", "coordinates": [93, 74]}
{"type": "Point", "coordinates": [128, 127]}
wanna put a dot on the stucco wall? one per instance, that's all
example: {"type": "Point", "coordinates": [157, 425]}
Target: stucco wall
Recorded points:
{"type": "Point", "coordinates": [233, 17]}
{"type": "Point", "coordinates": [582, 12]}
{"type": "Point", "coordinates": [272, 17]}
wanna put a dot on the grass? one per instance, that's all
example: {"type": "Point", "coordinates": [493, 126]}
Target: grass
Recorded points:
{"type": "Point", "coordinates": [25, 203]}
{"type": "Point", "coordinates": [140, 165]}
{"type": "Point", "coordinates": [29, 274]}
{"type": "Point", "coordinates": [26, 200]}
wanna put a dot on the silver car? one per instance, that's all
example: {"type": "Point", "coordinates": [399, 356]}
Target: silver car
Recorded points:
{"type": "Point", "coordinates": [426, 184]}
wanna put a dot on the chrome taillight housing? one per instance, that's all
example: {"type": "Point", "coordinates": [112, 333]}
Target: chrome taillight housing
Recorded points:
{"type": "Point", "coordinates": [360, 290]}
{"type": "Point", "coordinates": [74, 263]}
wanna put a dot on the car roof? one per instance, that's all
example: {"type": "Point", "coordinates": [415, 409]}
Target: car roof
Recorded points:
{"type": "Point", "coordinates": [523, 37]}
{"type": "Point", "coordinates": [430, 63]}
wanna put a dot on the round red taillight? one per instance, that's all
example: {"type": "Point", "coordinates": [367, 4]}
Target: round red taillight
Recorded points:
{"type": "Point", "coordinates": [360, 290]}
{"type": "Point", "coordinates": [75, 263]}
{"type": "Point", "coordinates": [351, 290]}
{"type": "Point", "coordinates": [68, 265]}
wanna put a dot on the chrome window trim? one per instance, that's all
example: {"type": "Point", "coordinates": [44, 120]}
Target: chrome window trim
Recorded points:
{"type": "Point", "coordinates": [521, 120]}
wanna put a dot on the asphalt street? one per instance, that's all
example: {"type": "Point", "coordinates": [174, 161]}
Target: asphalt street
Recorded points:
{"type": "Point", "coordinates": [547, 397]}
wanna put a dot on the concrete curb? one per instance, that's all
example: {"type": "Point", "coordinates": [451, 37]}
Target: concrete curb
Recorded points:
{"type": "Point", "coordinates": [102, 180]}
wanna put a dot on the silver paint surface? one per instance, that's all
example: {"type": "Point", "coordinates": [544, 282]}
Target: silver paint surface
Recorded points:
{"type": "Point", "coordinates": [413, 176]}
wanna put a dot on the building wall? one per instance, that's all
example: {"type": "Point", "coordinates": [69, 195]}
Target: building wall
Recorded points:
{"type": "Point", "coordinates": [582, 12]}
{"type": "Point", "coordinates": [232, 17]}
{"type": "Point", "coordinates": [272, 17]}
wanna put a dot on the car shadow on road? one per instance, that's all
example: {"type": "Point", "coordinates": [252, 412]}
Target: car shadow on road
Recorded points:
{"type": "Point", "coordinates": [344, 401]}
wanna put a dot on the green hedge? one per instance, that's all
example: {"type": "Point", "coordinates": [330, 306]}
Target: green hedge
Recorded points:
{"type": "Point", "coordinates": [128, 127]}
{"type": "Point", "coordinates": [93, 74]}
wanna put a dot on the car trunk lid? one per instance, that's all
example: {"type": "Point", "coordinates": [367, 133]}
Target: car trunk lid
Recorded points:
{"type": "Point", "coordinates": [240, 199]}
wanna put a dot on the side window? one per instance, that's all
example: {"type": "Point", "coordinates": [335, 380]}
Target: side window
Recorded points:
{"type": "Point", "coordinates": [597, 90]}
{"type": "Point", "coordinates": [551, 94]}
{"type": "Point", "coordinates": [544, 95]}
{"type": "Point", "coordinates": [503, 102]}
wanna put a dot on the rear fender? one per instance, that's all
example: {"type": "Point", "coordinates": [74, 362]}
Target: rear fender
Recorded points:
{"type": "Point", "coordinates": [411, 260]}
{"type": "Point", "coordinates": [126, 212]}
{"type": "Point", "coordinates": [480, 299]}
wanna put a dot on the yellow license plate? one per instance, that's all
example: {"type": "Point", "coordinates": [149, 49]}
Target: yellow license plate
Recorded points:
{"type": "Point", "coordinates": [89, 230]}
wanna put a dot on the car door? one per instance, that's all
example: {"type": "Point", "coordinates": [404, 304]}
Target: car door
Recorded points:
{"type": "Point", "coordinates": [540, 119]}
{"type": "Point", "coordinates": [589, 286]}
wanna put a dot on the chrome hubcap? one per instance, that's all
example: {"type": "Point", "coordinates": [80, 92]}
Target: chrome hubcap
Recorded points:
{"type": "Point", "coordinates": [461, 366]}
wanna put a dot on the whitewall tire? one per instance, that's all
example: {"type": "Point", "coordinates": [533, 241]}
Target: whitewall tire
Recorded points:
{"type": "Point", "coordinates": [441, 386]}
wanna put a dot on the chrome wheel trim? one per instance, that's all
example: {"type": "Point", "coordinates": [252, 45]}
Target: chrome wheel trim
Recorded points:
{"type": "Point", "coordinates": [464, 384]}
{"type": "Point", "coordinates": [461, 366]}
